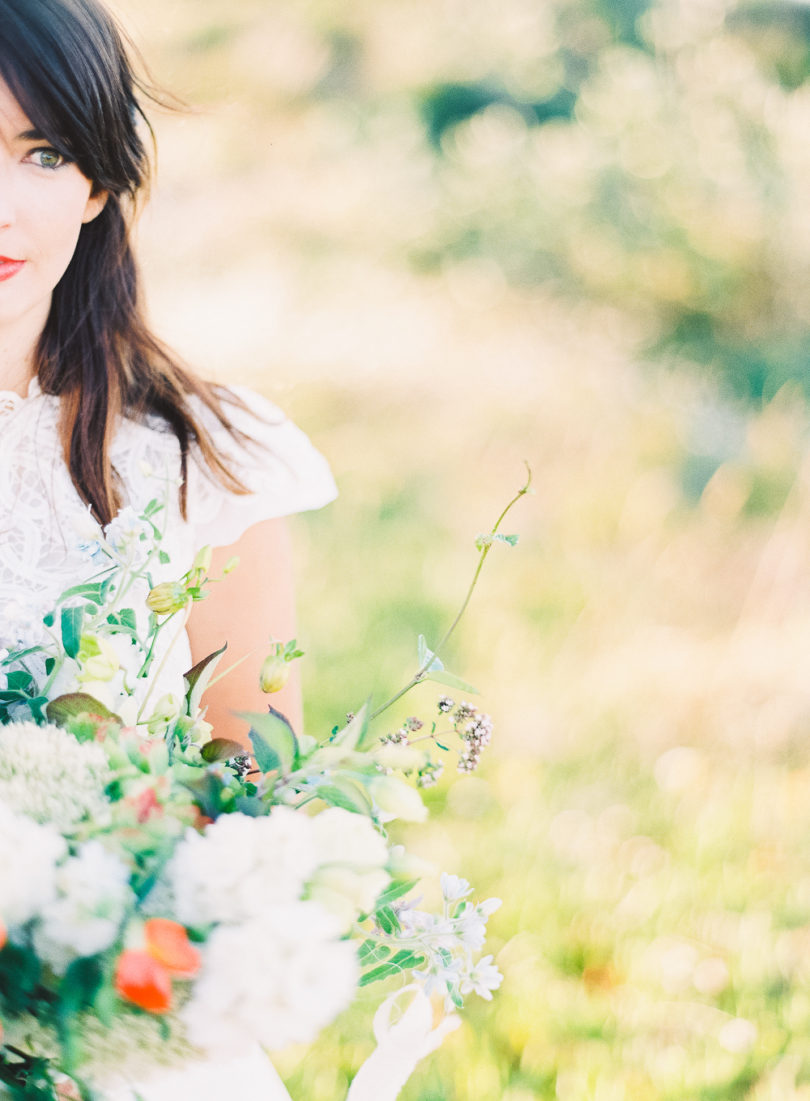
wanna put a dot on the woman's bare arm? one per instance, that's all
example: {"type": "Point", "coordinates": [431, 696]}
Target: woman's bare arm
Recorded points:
{"type": "Point", "coordinates": [251, 606]}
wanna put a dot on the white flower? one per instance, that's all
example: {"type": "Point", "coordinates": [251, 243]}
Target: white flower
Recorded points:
{"type": "Point", "coordinates": [240, 866]}
{"type": "Point", "coordinates": [472, 926]}
{"type": "Point", "coordinates": [434, 931]}
{"type": "Point", "coordinates": [130, 535]}
{"type": "Point", "coordinates": [439, 977]}
{"type": "Point", "coordinates": [46, 774]}
{"type": "Point", "coordinates": [299, 977]}
{"type": "Point", "coordinates": [345, 838]}
{"type": "Point", "coordinates": [482, 979]}
{"type": "Point", "coordinates": [454, 887]}
{"type": "Point", "coordinates": [29, 853]}
{"type": "Point", "coordinates": [85, 918]}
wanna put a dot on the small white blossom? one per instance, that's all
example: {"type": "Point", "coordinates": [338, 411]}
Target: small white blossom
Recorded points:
{"type": "Point", "coordinates": [472, 930]}
{"type": "Point", "coordinates": [439, 977]}
{"type": "Point", "coordinates": [85, 918]}
{"type": "Point", "coordinates": [482, 979]}
{"type": "Point", "coordinates": [454, 887]}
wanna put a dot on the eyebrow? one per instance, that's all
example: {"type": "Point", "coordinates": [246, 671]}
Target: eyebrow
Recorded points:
{"type": "Point", "coordinates": [31, 135]}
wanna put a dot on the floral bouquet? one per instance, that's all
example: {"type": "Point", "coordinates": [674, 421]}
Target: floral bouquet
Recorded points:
{"type": "Point", "coordinates": [163, 896]}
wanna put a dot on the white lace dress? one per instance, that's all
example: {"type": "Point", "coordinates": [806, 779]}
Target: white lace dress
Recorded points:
{"type": "Point", "coordinates": [43, 550]}
{"type": "Point", "coordinates": [45, 529]}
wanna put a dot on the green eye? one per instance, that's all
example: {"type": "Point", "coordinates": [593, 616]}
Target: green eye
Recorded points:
{"type": "Point", "coordinates": [48, 158]}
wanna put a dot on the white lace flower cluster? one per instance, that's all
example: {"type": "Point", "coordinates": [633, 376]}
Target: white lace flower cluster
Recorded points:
{"type": "Point", "coordinates": [281, 891]}
{"type": "Point", "coordinates": [68, 906]}
{"type": "Point", "coordinates": [450, 941]}
{"type": "Point", "coordinates": [50, 777]}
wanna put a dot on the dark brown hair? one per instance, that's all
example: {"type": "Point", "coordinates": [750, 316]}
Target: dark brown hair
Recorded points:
{"type": "Point", "coordinates": [66, 63]}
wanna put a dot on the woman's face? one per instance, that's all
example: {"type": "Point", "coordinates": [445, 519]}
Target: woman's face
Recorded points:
{"type": "Point", "coordinates": [44, 201]}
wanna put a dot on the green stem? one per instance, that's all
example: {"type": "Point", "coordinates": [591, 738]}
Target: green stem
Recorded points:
{"type": "Point", "coordinates": [424, 669]}
{"type": "Point", "coordinates": [159, 670]}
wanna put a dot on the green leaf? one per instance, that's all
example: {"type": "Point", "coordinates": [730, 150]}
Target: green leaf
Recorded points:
{"type": "Point", "coordinates": [128, 618]}
{"type": "Point", "coordinates": [74, 704]}
{"type": "Point", "coordinates": [387, 920]}
{"type": "Point", "coordinates": [71, 622]}
{"type": "Point", "coordinates": [450, 681]}
{"type": "Point", "coordinates": [395, 891]}
{"type": "Point", "coordinates": [275, 745]}
{"type": "Point", "coordinates": [342, 792]}
{"type": "Point", "coordinates": [206, 791]}
{"type": "Point", "coordinates": [93, 591]}
{"type": "Point", "coordinates": [221, 749]}
{"type": "Point", "coordinates": [384, 971]}
{"type": "Point", "coordinates": [77, 991]}
{"type": "Point", "coordinates": [38, 705]}
{"type": "Point", "coordinates": [407, 959]}
{"type": "Point", "coordinates": [371, 949]}
{"type": "Point", "coordinates": [425, 654]}
{"type": "Point", "coordinates": [19, 681]}
{"type": "Point", "coordinates": [164, 558]}
{"type": "Point", "coordinates": [198, 679]}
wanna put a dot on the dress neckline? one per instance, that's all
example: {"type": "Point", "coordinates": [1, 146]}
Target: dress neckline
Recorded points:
{"type": "Point", "coordinates": [10, 400]}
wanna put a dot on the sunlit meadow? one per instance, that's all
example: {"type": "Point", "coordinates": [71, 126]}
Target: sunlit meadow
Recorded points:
{"type": "Point", "coordinates": [450, 237]}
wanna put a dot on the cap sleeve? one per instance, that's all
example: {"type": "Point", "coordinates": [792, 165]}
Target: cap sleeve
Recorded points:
{"type": "Point", "coordinates": [278, 464]}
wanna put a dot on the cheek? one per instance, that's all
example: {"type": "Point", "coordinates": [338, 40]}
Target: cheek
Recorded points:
{"type": "Point", "coordinates": [57, 224]}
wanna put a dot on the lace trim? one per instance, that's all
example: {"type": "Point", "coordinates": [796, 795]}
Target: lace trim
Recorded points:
{"type": "Point", "coordinates": [9, 402]}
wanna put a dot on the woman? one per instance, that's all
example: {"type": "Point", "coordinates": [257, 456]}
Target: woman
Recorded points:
{"type": "Point", "coordinates": [95, 414]}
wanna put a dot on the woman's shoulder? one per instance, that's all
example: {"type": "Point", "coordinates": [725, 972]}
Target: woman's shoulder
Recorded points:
{"type": "Point", "coordinates": [271, 456]}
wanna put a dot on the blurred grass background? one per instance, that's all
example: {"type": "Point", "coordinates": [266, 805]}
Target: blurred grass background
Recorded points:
{"type": "Point", "coordinates": [449, 236]}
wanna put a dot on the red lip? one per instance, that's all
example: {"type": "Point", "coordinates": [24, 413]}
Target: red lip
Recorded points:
{"type": "Point", "coordinates": [9, 267]}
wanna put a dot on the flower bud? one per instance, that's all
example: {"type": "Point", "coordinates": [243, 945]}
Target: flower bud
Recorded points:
{"type": "Point", "coordinates": [167, 598]}
{"type": "Point", "coordinates": [275, 673]}
{"type": "Point", "coordinates": [397, 799]}
{"type": "Point", "coordinates": [202, 560]}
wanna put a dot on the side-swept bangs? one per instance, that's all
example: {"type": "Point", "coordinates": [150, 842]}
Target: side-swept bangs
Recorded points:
{"type": "Point", "coordinates": [66, 65]}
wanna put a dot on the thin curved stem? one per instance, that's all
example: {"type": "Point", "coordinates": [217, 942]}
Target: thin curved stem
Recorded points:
{"type": "Point", "coordinates": [485, 549]}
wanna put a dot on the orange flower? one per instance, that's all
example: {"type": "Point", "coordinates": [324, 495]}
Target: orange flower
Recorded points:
{"type": "Point", "coordinates": [168, 943]}
{"type": "Point", "coordinates": [3, 935]}
{"type": "Point", "coordinates": [140, 979]}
